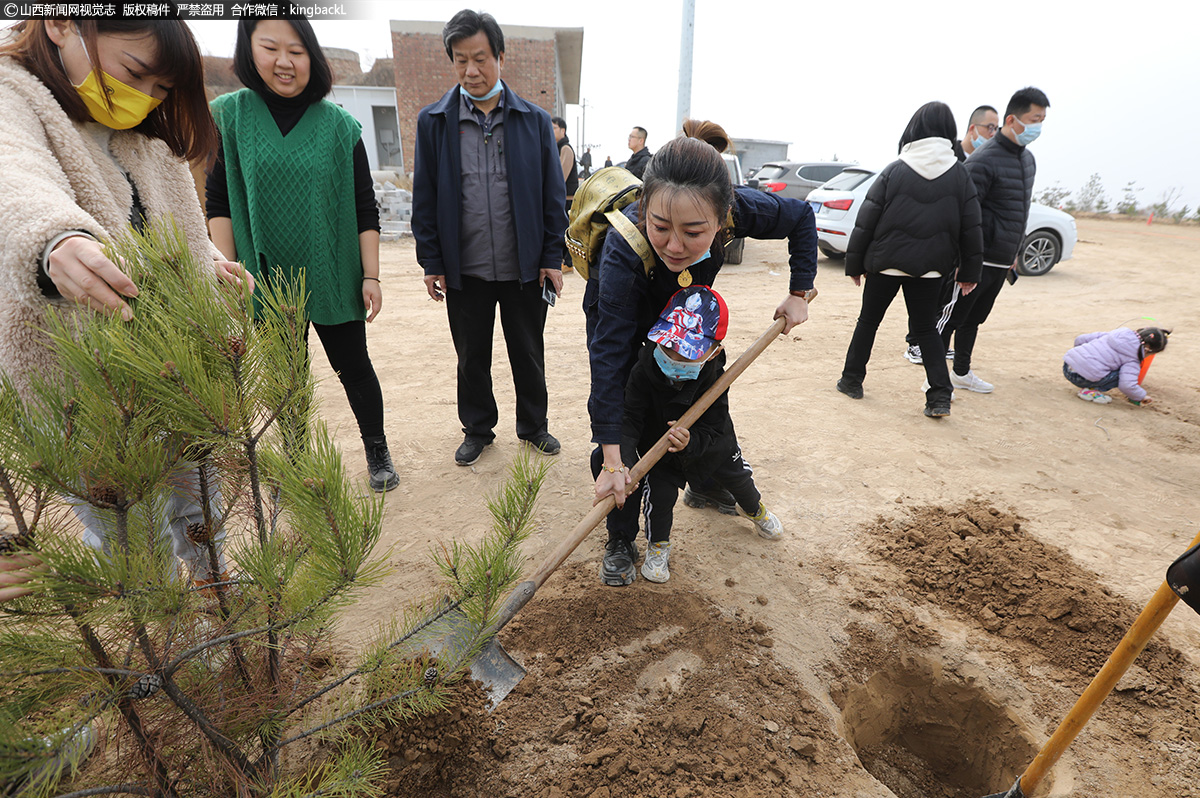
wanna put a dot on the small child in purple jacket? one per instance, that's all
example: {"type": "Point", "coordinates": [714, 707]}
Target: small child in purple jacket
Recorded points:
{"type": "Point", "coordinates": [1101, 361]}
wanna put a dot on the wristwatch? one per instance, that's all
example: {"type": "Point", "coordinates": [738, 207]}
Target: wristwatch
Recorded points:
{"type": "Point", "coordinates": [808, 295]}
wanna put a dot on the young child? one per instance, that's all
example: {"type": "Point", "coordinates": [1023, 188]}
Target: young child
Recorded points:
{"type": "Point", "coordinates": [1101, 361]}
{"type": "Point", "coordinates": [666, 380]}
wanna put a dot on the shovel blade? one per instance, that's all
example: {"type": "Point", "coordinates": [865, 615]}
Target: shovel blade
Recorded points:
{"type": "Point", "coordinates": [498, 672]}
{"type": "Point", "coordinates": [1013, 792]}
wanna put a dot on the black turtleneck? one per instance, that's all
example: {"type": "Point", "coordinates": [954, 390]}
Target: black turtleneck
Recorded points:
{"type": "Point", "coordinates": [287, 112]}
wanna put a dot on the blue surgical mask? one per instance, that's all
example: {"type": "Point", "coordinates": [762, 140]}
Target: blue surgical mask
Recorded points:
{"type": "Point", "coordinates": [495, 90]}
{"type": "Point", "coordinates": [1031, 132]}
{"type": "Point", "coordinates": [977, 142]}
{"type": "Point", "coordinates": [675, 370]}
{"type": "Point", "coordinates": [707, 254]}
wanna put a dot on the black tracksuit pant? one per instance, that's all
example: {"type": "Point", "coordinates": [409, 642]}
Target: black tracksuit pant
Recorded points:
{"type": "Point", "coordinates": [661, 490]}
{"type": "Point", "coordinates": [968, 313]}
{"type": "Point", "coordinates": [921, 296]}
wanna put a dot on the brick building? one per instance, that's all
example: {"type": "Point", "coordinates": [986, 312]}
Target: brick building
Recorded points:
{"type": "Point", "coordinates": [540, 64]}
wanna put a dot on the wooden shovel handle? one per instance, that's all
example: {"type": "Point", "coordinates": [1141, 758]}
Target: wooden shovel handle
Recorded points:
{"type": "Point", "coordinates": [524, 591]}
{"type": "Point", "coordinates": [1126, 652]}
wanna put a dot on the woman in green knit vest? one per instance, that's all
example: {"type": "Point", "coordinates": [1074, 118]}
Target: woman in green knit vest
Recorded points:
{"type": "Point", "coordinates": [291, 190]}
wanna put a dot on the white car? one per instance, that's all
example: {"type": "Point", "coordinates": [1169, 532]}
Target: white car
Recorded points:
{"type": "Point", "coordinates": [1049, 235]}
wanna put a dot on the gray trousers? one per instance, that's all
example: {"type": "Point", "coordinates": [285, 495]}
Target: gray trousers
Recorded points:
{"type": "Point", "coordinates": [181, 507]}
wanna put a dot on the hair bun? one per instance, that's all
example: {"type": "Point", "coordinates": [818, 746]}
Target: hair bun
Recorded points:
{"type": "Point", "coordinates": [708, 132]}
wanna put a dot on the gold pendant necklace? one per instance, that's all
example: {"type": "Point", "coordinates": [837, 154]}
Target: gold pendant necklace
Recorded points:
{"type": "Point", "coordinates": [685, 278]}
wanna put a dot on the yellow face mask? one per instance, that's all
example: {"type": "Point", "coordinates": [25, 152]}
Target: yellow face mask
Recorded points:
{"type": "Point", "coordinates": [129, 106]}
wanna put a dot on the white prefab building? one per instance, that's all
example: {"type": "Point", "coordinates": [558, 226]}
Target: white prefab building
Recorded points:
{"type": "Point", "coordinates": [375, 109]}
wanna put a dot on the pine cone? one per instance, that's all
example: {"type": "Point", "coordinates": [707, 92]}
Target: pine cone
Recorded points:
{"type": "Point", "coordinates": [237, 346]}
{"type": "Point", "coordinates": [199, 533]}
{"type": "Point", "coordinates": [431, 675]}
{"type": "Point", "coordinates": [11, 542]}
{"type": "Point", "coordinates": [144, 687]}
{"type": "Point", "coordinates": [104, 494]}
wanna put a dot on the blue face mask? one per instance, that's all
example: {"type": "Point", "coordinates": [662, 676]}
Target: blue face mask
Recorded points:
{"type": "Point", "coordinates": [675, 370]}
{"type": "Point", "coordinates": [1031, 132]}
{"type": "Point", "coordinates": [707, 254]}
{"type": "Point", "coordinates": [495, 90]}
{"type": "Point", "coordinates": [977, 142]}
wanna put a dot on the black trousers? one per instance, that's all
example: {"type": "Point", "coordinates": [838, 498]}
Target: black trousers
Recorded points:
{"type": "Point", "coordinates": [921, 298]}
{"type": "Point", "coordinates": [661, 490]}
{"type": "Point", "coordinates": [472, 314]}
{"type": "Point", "coordinates": [346, 347]}
{"type": "Point", "coordinates": [945, 298]}
{"type": "Point", "coordinates": [967, 313]}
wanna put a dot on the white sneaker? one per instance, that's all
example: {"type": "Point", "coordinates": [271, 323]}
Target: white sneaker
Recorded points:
{"type": "Point", "coordinates": [913, 354]}
{"type": "Point", "coordinates": [1091, 395]}
{"type": "Point", "coordinates": [925, 387]}
{"type": "Point", "coordinates": [768, 525]}
{"type": "Point", "coordinates": [971, 382]}
{"type": "Point", "coordinates": [658, 557]}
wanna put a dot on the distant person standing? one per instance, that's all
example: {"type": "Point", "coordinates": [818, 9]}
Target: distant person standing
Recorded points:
{"type": "Point", "coordinates": [608, 160]}
{"type": "Point", "coordinates": [982, 125]}
{"type": "Point", "coordinates": [488, 219]}
{"type": "Point", "coordinates": [641, 156]}
{"type": "Point", "coordinates": [586, 163]}
{"type": "Point", "coordinates": [1003, 170]}
{"type": "Point", "coordinates": [566, 155]}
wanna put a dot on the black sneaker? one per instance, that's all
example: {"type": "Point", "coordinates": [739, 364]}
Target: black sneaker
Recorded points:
{"type": "Point", "coordinates": [851, 389]}
{"type": "Point", "coordinates": [545, 443]}
{"type": "Point", "coordinates": [617, 567]}
{"type": "Point", "coordinates": [715, 496]}
{"type": "Point", "coordinates": [379, 465]}
{"type": "Point", "coordinates": [469, 452]}
{"type": "Point", "coordinates": [937, 411]}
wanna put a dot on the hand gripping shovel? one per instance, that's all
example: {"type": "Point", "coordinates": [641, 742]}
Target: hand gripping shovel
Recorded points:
{"type": "Point", "coordinates": [494, 667]}
{"type": "Point", "coordinates": [1126, 652]}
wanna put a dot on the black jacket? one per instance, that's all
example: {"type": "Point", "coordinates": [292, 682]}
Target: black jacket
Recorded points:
{"type": "Point", "coordinates": [651, 400]}
{"type": "Point", "coordinates": [637, 162]}
{"type": "Point", "coordinates": [917, 225]}
{"type": "Point", "coordinates": [1003, 174]}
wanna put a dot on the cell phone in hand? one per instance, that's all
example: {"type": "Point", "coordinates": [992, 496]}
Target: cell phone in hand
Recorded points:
{"type": "Point", "coordinates": [1011, 276]}
{"type": "Point", "coordinates": [548, 295]}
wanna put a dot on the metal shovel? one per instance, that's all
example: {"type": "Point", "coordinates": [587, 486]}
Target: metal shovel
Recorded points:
{"type": "Point", "coordinates": [1126, 652]}
{"type": "Point", "coordinates": [498, 672]}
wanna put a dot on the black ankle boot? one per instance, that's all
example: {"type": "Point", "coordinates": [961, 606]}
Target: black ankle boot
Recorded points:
{"type": "Point", "coordinates": [379, 465]}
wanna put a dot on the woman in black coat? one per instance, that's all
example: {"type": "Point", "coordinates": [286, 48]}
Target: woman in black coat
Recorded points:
{"type": "Point", "coordinates": [919, 221]}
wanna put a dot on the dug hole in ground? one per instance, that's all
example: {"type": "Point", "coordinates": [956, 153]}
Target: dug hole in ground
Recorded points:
{"type": "Point", "coordinates": [944, 592]}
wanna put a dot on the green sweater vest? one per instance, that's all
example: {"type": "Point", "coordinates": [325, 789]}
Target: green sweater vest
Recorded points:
{"type": "Point", "coordinates": [291, 200]}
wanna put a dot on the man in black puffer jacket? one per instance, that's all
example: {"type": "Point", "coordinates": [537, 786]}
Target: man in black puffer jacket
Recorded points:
{"type": "Point", "coordinates": [1002, 170]}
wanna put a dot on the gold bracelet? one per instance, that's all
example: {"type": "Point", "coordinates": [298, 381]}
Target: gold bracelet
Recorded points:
{"type": "Point", "coordinates": [612, 470]}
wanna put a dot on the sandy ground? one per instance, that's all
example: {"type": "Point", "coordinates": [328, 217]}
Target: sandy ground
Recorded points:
{"type": "Point", "coordinates": [1113, 487]}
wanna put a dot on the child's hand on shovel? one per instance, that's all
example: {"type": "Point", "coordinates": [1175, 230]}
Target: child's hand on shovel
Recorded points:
{"type": "Point", "coordinates": [677, 437]}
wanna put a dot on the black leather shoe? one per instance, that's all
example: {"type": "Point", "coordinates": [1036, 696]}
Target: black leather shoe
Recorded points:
{"type": "Point", "coordinates": [714, 496]}
{"type": "Point", "coordinates": [379, 465]}
{"type": "Point", "coordinates": [851, 389]}
{"type": "Point", "coordinates": [470, 450]}
{"type": "Point", "coordinates": [617, 567]}
{"type": "Point", "coordinates": [545, 443]}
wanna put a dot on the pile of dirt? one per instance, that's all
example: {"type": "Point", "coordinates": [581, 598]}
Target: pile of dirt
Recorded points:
{"type": "Point", "coordinates": [646, 691]}
{"type": "Point", "coordinates": [979, 562]}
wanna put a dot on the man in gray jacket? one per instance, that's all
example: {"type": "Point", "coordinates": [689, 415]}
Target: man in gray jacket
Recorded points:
{"type": "Point", "coordinates": [1003, 171]}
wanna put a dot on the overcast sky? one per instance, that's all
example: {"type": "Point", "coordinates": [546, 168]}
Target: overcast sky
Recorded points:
{"type": "Point", "coordinates": [843, 77]}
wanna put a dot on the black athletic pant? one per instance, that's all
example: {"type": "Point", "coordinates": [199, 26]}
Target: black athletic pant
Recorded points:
{"type": "Point", "coordinates": [346, 347]}
{"type": "Point", "coordinates": [472, 314]}
{"type": "Point", "coordinates": [921, 297]}
{"type": "Point", "coordinates": [622, 522]}
{"type": "Point", "coordinates": [968, 313]}
{"type": "Point", "coordinates": [661, 491]}
{"type": "Point", "coordinates": [945, 297]}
